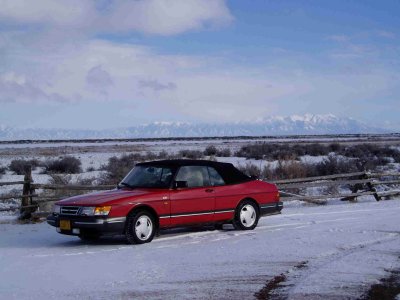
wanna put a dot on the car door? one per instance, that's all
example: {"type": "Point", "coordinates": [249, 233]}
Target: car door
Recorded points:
{"type": "Point", "coordinates": [225, 197]}
{"type": "Point", "coordinates": [195, 203]}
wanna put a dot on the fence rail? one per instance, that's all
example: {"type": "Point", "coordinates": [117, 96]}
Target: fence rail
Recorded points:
{"type": "Point", "coordinates": [72, 187]}
{"type": "Point", "coordinates": [364, 181]}
{"type": "Point", "coordinates": [316, 178]}
{"type": "Point", "coordinates": [360, 183]}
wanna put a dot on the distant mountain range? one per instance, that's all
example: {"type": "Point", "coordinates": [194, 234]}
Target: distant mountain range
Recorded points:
{"type": "Point", "coordinates": [293, 125]}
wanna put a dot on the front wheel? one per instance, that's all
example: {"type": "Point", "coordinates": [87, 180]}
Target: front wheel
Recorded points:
{"type": "Point", "coordinates": [246, 216]}
{"type": "Point", "coordinates": [140, 227]}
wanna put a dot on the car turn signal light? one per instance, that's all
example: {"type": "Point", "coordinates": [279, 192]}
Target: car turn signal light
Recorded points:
{"type": "Point", "coordinates": [102, 210]}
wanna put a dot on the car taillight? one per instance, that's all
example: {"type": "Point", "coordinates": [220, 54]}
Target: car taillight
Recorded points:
{"type": "Point", "coordinates": [277, 196]}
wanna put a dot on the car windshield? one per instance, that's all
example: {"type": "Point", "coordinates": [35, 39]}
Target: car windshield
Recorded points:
{"type": "Point", "coordinates": [148, 177]}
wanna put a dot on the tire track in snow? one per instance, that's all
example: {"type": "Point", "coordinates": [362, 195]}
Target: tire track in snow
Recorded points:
{"type": "Point", "coordinates": [199, 237]}
{"type": "Point", "coordinates": [298, 278]}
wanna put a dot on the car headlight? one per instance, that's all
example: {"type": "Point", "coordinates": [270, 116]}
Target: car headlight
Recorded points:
{"type": "Point", "coordinates": [95, 211]}
{"type": "Point", "coordinates": [87, 211]}
{"type": "Point", "coordinates": [102, 211]}
{"type": "Point", "coordinates": [56, 209]}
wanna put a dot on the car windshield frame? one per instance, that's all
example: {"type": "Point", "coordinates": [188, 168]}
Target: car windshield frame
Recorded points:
{"type": "Point", "coordinates": [136, 177]}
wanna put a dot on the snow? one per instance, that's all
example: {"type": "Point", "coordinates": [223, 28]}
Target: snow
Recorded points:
{"type": "Point", "coordinates": [344, 248]}
{"type": "Point", "coordinates": [307, 124]}
{"type": "Point", "coordinates": [243, 162]}
{"type": "Point", "coordinates": [308, 159]}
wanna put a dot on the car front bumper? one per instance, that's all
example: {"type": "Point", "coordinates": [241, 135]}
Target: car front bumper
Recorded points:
{"type": "Point", "coordinates": [78, 224]}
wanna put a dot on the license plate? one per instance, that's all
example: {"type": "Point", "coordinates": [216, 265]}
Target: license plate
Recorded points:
{"type": "Point", "coordinates": [65, 224]}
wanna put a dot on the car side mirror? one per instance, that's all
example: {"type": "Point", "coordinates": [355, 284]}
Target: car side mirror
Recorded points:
{"type": "Point", "coordinates": [180, 184]}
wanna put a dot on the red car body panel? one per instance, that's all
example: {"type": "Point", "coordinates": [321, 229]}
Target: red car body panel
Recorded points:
{"type": "Point", "coordinates": [173, 207]}
{"type": "Point", "coordinates": [181, 206]}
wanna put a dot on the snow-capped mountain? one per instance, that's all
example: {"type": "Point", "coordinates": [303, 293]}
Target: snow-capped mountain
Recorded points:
{"type": "Point", "coordinates": [292, 125]}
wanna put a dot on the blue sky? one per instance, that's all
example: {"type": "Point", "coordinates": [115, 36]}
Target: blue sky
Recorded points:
{"type": "Point", "coordinates": [104, 64]}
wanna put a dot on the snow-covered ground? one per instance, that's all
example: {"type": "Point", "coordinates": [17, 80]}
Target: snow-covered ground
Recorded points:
{"type": "Point", "coordinates": [332, 251]}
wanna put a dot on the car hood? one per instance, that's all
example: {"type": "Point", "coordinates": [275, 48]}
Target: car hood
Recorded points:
{"type": "Point", "coordinates": [106, 197]}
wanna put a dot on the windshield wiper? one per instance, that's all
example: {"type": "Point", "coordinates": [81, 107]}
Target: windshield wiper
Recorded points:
{"type": "Point", "coordinates": [125, 184]}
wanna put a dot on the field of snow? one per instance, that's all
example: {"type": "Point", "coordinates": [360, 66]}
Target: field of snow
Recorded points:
{"type": "Point", "coordinates": [324, 252]}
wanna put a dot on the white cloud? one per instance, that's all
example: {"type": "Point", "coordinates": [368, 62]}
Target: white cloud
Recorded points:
{"type": "Point", "coordinates": [166, 17]}
{"type": "Point", "coordinates": [155, 85]}
{"type": "Point", "coordinates": [191, 85]}
{"type": "Point", "coordinates": [99, 79]}
{"type": "Point", "coordinates": [61, 12]}
{"type": "Point", "coordinates": [162, 17]}
{"type": "Point", "coordinates": [177, 86]}
{"type": "Point", "coordinates": [15, 88]}
{"type": "Point", "coordinates": [53, 57]}
{"type": "Point", "coordinates": [386, 34]}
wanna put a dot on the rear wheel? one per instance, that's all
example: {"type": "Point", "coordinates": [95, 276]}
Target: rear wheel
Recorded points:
{"type": "Point", "coordinates": [246, 216]}
{"type": "Point", "coordinates": [140, 227]}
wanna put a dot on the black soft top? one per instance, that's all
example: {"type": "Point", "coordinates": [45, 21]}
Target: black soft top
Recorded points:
{"type": "Point", "coordinates": [229, 173]}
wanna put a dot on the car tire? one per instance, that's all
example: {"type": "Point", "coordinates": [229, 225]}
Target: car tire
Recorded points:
{"type": "Point", "coordinates": [246, 216]}
{"type": "Point", "coordinates": [89, 236]}
{"type": "Point", "coordinates": [140, 227]}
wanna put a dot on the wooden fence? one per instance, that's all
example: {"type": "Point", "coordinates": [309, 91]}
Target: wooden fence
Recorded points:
{"type": "Point", "coordinates": [360, 184]}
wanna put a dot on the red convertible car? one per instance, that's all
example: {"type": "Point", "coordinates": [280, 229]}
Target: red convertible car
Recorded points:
{"type": "Point", "coordinates": [165, 194]}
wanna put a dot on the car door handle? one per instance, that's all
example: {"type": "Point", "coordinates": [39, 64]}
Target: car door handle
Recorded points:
{"type": "Point", "coordinates": [209, 190]}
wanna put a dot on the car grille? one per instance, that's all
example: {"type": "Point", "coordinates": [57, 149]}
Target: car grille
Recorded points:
{"type": "Point", "coordinates": [69, 210]}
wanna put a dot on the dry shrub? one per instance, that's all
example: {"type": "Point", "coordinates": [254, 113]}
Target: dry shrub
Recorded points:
{"type": "Point", "coordinates": [274, 151]}
{"type": "Point", "coordinates": [148, 156]}
{"type": "Point", "coordinates": [18, 166]}
{"type": "Point", "coordinates": [286, 169]}
{"type": "Point", "coordinates": [90, 169]}
{"type": "Point", "coordinates": [118, 167]}
{"type": "Point", "coordinates": [369, 156]}
{"type": "Point", "coordinates": [86, 181]}
{"type": "Point", "coordinates": [61, 193]}
{"type": "Point", "coordinates": [336, 165]}
{"type": "Point", "coordinates": [289, 169]}
{"type": "Point", "coordinates": [163, 155]}
{"type": "Point", "coordinates": [58, 179]}
{"type": "Point", "coordinates": [2, 171]}
{"type": "Point", "coordinates": [190, 154]}
{"type": "Point", "coordinates": [214, 151]}
{"type": "Point", "coordinates": [225, 152]}
{"type": "Point", "coordinates": [210, 150]}
{"type": "Point", "coordinates": [257, 150]}
{"type": "Point", "coordinates": [250, 169]}
{"type": "Point", "coordinates": [64, 165]}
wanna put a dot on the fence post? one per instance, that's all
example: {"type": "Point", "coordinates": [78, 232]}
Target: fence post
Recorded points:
{"type": "Point", "coordinates": [372, 188]}
{"type": "Point", "coordinates": [25, 213]}
{"type": "Point", "coordinates": [355, 188]}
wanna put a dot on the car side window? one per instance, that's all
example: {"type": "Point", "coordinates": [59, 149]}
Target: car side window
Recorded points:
{"type": "Point", "coordinates": [166, 176]}
{"type": "Point", "coordinates": [215, 178]}
{"type": "Point", "coordinates": [195, 176]}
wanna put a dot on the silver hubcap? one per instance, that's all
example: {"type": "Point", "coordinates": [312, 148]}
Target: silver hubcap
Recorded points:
{"type": "Point", "coordinates": [143, 228]}
{"type": "Point", "coordinates": [248, 215]}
